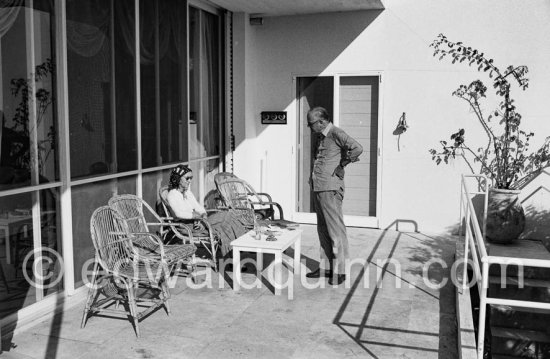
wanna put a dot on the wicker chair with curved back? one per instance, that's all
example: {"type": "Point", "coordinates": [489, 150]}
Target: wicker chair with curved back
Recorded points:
{"type": "Point", "coordinates": [132, 209]}
{"type": "Point", "coordinates": [237, 193]}
{"type": "Point", "coordinates": [200, 228]}
{"type": "Point", "coordinates": [126, 274]}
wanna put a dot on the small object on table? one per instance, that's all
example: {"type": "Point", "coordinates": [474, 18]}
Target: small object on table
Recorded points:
{"type": "Point", "coordinates": [257, 231]}
{"type": "Point", "coordinates": [246, 243]}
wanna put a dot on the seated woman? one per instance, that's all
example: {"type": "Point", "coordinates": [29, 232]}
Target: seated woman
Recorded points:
{"type": "Point", "coordinates": [225, 224]}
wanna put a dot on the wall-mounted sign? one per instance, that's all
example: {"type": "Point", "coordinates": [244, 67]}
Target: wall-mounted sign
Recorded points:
{"type": "Point", "coordinates": [274, 117]}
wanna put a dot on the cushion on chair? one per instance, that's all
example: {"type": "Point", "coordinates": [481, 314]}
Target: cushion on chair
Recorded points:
{"type": "Point", "coordinates": [178, 252]}
{"type": "Point", "coordinates": [139, 272]}
{"type": "Point", "coordinates": [172, 252]}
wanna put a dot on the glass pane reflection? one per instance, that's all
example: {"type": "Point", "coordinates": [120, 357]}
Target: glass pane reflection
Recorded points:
{"type": "Point", "coordinates": [163, 69]}
{"type": "Point", "coordinates": [28, 125]}
{"type": "Point", "coordinates": [85, 200]}
{"type": "Point", "coordinates": [101, 80]}
{"type": "Point", "coordinates": [26, 278]}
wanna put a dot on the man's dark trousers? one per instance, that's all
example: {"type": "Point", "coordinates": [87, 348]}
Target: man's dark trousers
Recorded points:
{"type": "Point", "coordinates": [331, 229]}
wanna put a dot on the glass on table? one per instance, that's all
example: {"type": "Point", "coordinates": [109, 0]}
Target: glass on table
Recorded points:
{"type": "Point", "coordinates": [257, 230]}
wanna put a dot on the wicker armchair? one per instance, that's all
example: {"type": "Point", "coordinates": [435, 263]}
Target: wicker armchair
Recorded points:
{"type": "Point", "coordinates": [239, 194]}
{"type": "Point", "coordinates": [126, 275]}
{"type": "Point", "coordinates": [203, 237]}
{"type": "Point", "coordinates": [132, 209]}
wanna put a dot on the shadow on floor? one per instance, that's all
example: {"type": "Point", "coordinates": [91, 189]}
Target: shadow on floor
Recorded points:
{"type": "Point", "coordinates": [447, 317]}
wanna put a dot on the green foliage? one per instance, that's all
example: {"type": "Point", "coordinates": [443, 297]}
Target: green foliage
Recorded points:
{"type": "Point", "coordinates": [505, 157]}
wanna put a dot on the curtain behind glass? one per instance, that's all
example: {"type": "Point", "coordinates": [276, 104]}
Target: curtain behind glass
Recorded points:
{"type": "Point", "coordinates": [28, 125]}
{"type": "Point", "coordinates": [204, 73]}
{"type": "Point", "coordinates": [8, 14]}
{"type": "Point", "coordinates": [211, 84]}
{"type": "Point", "coordinates": [163, 67]}
{"type": "Point", "coordinates": [101, 86]}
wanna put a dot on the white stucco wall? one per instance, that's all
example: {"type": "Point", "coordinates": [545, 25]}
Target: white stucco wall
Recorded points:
{"type": "Point", "coordinates": [394, 42]}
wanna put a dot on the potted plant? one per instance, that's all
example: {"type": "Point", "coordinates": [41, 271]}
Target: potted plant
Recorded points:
{"type": "Point", "coordinates": [506, 157]}
{"type": "Point", "coordinates": [19, 132]}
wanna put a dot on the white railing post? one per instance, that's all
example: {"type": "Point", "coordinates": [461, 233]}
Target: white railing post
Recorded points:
{"type": "Point", "coordinates": [462, 191]}
{"type": "Point", "coordinates": [466, 249]}
{"type": "Point", "coordinates": [485, 207]}
{"type": "Point", "coordinates": [482, 308]}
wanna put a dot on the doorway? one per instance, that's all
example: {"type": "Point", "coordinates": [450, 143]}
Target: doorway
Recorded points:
{"type": "Point", "coordinates": [353, 103]}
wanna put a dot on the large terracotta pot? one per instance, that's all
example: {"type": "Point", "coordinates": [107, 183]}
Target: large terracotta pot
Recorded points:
{"type": "Point", "coordinates": [505, 216]}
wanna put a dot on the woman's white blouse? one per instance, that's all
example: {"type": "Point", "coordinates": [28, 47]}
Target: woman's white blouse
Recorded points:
{"type": "Point", "coordinates": [183, 205]}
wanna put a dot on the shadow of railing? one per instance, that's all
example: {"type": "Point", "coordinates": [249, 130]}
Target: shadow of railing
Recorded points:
{"type": "Point", "coordinates": [55, 328]}
{"type": "Point", "coordinates": [356, 331]}
{"type": "Point", "coordinates": [17, 302]}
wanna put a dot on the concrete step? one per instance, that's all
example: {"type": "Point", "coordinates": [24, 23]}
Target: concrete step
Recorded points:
{"type": "Point", "coordinates": [533, 289]}
{"type": "Point", "coordinates": [519, 342]}
{"type": "Point", "coordinates": [503, 356]}
{"type": "Point", "coordinates": [512, 271]}
{"type": "Point", "coordinates": [521, 334]}
{"type": "Point", "coordinates": [521, 309]}
{"type": "Point", "coordinates": [519, 317]}
{"type": "Point", "coordinates": [527, 282]}
{"type": "Point", "coordinates": [533, 294]}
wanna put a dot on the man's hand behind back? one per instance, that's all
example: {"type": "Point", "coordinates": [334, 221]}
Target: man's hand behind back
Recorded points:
{"type": "Point", "coordinates": [339, 171]}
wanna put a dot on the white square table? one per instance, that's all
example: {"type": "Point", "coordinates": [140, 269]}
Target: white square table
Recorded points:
{"type": "Point", "coordinates": [247, 243]}
{"type": "Point", "coordinates": [8, 223]}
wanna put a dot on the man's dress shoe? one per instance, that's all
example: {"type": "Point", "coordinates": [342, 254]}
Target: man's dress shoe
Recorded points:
{"type": "Point", "coordinates": [338, 279]}
{"type": "Point", "coordinates": [317, 273]}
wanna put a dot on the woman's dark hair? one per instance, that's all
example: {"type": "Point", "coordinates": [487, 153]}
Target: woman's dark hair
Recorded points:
{"type": "Point", "coordinates": [177, 173]}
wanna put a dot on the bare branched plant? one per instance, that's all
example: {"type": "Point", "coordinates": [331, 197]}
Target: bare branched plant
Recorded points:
{"type": "Point", "coordinates": [23, 88]}
{"type": "Point", "coordinates": [506, 156]}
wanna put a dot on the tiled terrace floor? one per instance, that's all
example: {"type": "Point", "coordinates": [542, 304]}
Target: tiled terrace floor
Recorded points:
{"type": "Point", "coordinates": [359, 319]}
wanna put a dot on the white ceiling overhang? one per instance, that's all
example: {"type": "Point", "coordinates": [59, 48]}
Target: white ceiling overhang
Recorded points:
{"type": "Point", "coordinates": [296, 7]}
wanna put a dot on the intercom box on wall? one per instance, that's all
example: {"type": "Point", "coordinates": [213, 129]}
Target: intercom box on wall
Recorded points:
{"type": "Point", "coordinates": [273, 117]}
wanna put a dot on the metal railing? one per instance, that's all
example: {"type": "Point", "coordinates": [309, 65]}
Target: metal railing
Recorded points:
{"type": "Point", "coordinates": [474, 242]}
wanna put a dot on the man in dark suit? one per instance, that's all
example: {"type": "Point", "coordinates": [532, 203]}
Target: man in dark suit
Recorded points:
{"type": "Point", "coordinates": [336, 149]}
